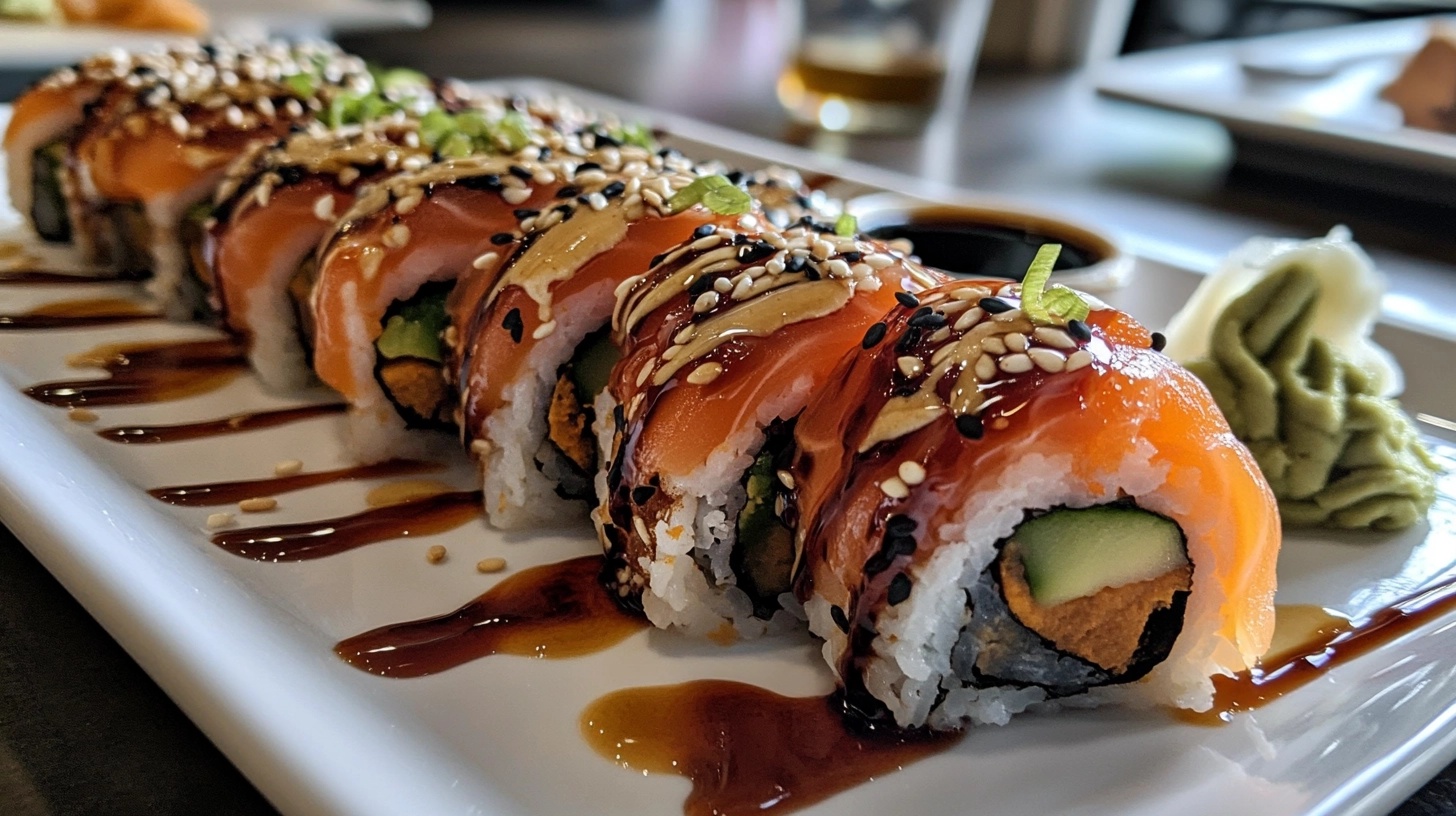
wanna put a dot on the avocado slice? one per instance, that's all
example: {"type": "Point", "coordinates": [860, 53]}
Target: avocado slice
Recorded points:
{"type": "Point", "coordinates": [1073, 553]}
{"type": "Point", "coordinates": [591, 365]}
{"type": "Point", "coordinates": [412, 328]}
{"type": "Point", "coordinates": [765, 547]}
{"type": "Point", "coordinates": [48, 202]}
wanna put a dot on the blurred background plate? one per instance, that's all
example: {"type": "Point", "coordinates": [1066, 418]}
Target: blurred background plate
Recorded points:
{"type": "Point", "coordinates": [1313, 95]}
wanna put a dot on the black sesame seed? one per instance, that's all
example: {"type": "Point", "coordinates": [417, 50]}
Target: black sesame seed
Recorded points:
{"type": "Point", "coordinates": [585, 166]}
{"type": "Point", "coordinates": [700, 285]}
{"type": "Point", "coordinates": [970, 426]}
{"type": "Point", "coordinates": [741, 239]}
{"type": "Point", "coordinates": [900, 545]}
{"type": "Point", "coordinates": [803, 201]}
{"type": "Point", "coordinates": [568, 191]}
{"type": "Point", "coordinates": [643, 493]}
{"type": "Point", "coordinates": [583, 200]}
{"type": "Point", "coordinates": [523, 214]}
{"type": "Point", "coordinates": [705, 230]}
{"type": "Point", "coordinates": [1079, 330]}
{"type": "Point", "coordinates": [994, 305]}
{"type": "Point", "coordinates": [837, 615]}
{"type": "Point", "coordinates": [877, 563]}
{"type": "Point", "coordinates": [900, 525]}
{"type": "Point", "coordinates": [735, 177]}
{"type": "Point", "coordinates": [927, 319]}
{"type": "Point", "coordinates": [656, 259]}
{"type": "Point", "coordinates": [812, 273]}
{"type": "Point", "coordinates": [873, 336]}
{"type": "Point", "coordinates": [614, 189]}
{"type": "Point", "coordinates": [544, 154]}
{"type": "Point", "coordinates": [502, 238]}
{"type": "Point", "coordinates": [489, 182]}
{"type": "Point", "coordinates": [603, 140]}
{"type": "Point", "coordinates": [520, 172]}
{"type": "Point", "coordinates": [908, 340]}
{"type": "Point", "coordinates": [1159, 341]}
{"type": "Point", "coordinates": [796, 263]}
{"type": "Point", "coordinates": [752, 253]}
{"type": "Point", "coordinates": [907, 300]}
{"type": "Point", "coordinates": [619, 416]}
{"type": "Point", "coordinates": [852, 257]}
{"type": "Point", "coordinates": [666, 152]}
{"type": "Point", "coordinates": [899, 589]}
{"type": "Point", "coordinates": [565, 209]}
{"type": "Point", "coordinates": [514, 325]}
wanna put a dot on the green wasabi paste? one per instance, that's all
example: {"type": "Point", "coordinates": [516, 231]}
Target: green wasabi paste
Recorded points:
{"type": "Point", "coordinates": [1335, 452]}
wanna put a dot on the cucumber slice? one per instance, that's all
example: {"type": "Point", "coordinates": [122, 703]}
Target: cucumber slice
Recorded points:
{"type": "Point", "coordinates": [591, 366]}
{"type": "Point", "coordinates": [48, 202]}
{"type": "Point", "coordinates": [413, 327]}
{"type": "Point", "coordinates": [1072, 553]}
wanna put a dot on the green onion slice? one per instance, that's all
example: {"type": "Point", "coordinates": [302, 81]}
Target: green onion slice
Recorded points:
{"type": "Point", "coordinates": [716, 193]}
{"type": "Point", "coordinates": [1044, 304]}
{"type": "Point", "coordinates": [846, 226]}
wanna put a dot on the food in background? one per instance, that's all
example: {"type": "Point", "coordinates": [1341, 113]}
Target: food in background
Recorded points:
{"type": "Point", "coordinates": [1425, 90]}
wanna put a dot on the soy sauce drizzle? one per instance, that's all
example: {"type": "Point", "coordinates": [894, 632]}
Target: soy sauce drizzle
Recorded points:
{"type": "Point", "coordinates": [747, 749]}
{"type": "Point", "coordinates": [147, 372]}
{"type": "Point", "coordinates": [237, 423]}
{"type": "Point", "coordinates": [216, 493]}
{"type": "Point", "coordinates": [557, 610]}
{"type": "Point", "coordinates": [317, 539]}
{"type": "Point", "coordinates": [1337, 644]}
{"type": "Point", "coordinates": [75, 314]}
{"type": "Point", "coordinates": [36, 277]}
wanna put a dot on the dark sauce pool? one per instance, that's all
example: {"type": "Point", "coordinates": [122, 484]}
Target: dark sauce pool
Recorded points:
{"type": "Point", "coordinates": [979, 243]}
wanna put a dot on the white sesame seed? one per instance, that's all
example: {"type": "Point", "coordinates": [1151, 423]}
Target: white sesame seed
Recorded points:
{"type": "Point", "coordinates": [775, 240]}
{"type": "Point", "coordinates": [348, 175]}
{"type": "Point", "coordinates": [597, 201]}
{"type": "Point", "coordinates": [543, 176]}
{"type": "Point", "coordinates": [1015, 341]}
{"type": "Point", "coordinates": [869, 284]}
{"type": "Point", "coordinates": [879, 260]}
{"type": "Point", "coordinates": [940, 335]}
{"type": "Point", "coordinates": [909, 366]}
{"type": "Point", "coordinates": [261, 504]}
{"type": "Point", "coordinates": [264, 106]}
{"type": "Point", "coordinates": [894, 488]}
{"type": "Point", "coordinates": [954, 307]}
{"type": "Point", "coordinates": [706, 242]}
{"type": "Point", "coordinates": [972, 316]}
{"type": "Point", "coordinates": [1081, 358]}
{"type": "Point", "coordinates": [861, 270]}
{"type": "Point", "coordinates": [786, 479]}
{"type": "Point", "coordinates": [396, 236]}
{"type": "Point", "coordinates": [1054, 337]}
{"type": "Point", "coordinates": [323, 207]}
{"type": "Point", "coordinates": [485, 260]}
{"type": "Point", "coordinates": [706, 302]}
{"type": "Point", "coordinates": [216, 520]}
{"type": "Point", "coordinates": [687, 332]}
{"type": "Point", "coordinates": [722, 285]}
{"type": "Point", "coordinates": [994, 345]}
{"type": "Point", "coordinates": [1046, 359]}
{"type": "Point", "coordinates": [287, 467]}
{"type": "Point", "coordinates": [911, 473]}
{"type": "Point", "coordinates": [234, 115]}
{"type": "Point", "coordinates": [1007, 316]}
{"type": "Point", "coordinates": [481, 447]}
{"type": "Point", "coordinates": [413, 164]}
{"type": "Point", "coordinates": [837, 268]}
{"type": "Point", "coordinates": [747, 222]}
{"type": "Point", "coordinates": [516, 195]}
{"type": "Point", "coordinates": [643, 374]}
{"type": "Point", "coordinates": [743, 287]}
{"type": "Point", "coordinates": [823, 249]}
{"type": "Point", "coordinates": [756, 272]}
{"type": "Point", "coordinates": [1015, 364]}
{"type": "Point", "coordinates": [985, 367]}
{"type": "Point", "coordinates": [544, 330]}
{"type": "Point", "coordinates": [178, 123]}
{"type": "Point", "coordinates": [82, 415]}
{"type": "Point", "coordinates": [705, 373]}
{"type": "Point", "coordinates": [436, 553]}
{"type": "Point", "coordinates": [671, 352]}
{"type": "Point", "coordinates": [640, 527]}
{"type": "Point", "coordinates": [774, 266]}
{"type": "Point", "coordinates": [489, 565]}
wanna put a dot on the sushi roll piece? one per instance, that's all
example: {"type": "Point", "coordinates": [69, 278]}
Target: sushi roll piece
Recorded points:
{"type": "Point", "coordinates": [1014, 499]}
{"type": "Point", "coordinates": [407, 271]}
{"type": "Point", "coordinates": [280, 200]}
{"type": "Point", "coordinates": [537, 347]}
{"type": "Point", "coordinates": [114, 154]}
{"type": "Point", "coordinates": [725, 339]}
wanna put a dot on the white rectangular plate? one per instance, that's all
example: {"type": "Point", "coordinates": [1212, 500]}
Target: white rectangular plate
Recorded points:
{"type": "Point", "coordinates": [1254, 88]}
{"type": "Point", "coordinates": [245, 647]}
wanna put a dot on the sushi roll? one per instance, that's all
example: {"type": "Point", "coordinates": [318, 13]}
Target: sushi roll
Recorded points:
{"type": "Point", "coordinates": [1012, 499]}
{"type": "Point", "coordinates": [537, 348]}
{"type": "Point", "coordinates": [725, 340]}
{"type": "Point", "coordinates": [280, 200]}
{"type": "Point", "coordinates": [407, 271]}
{"type": "Point", "coordinates": [113, 154]}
